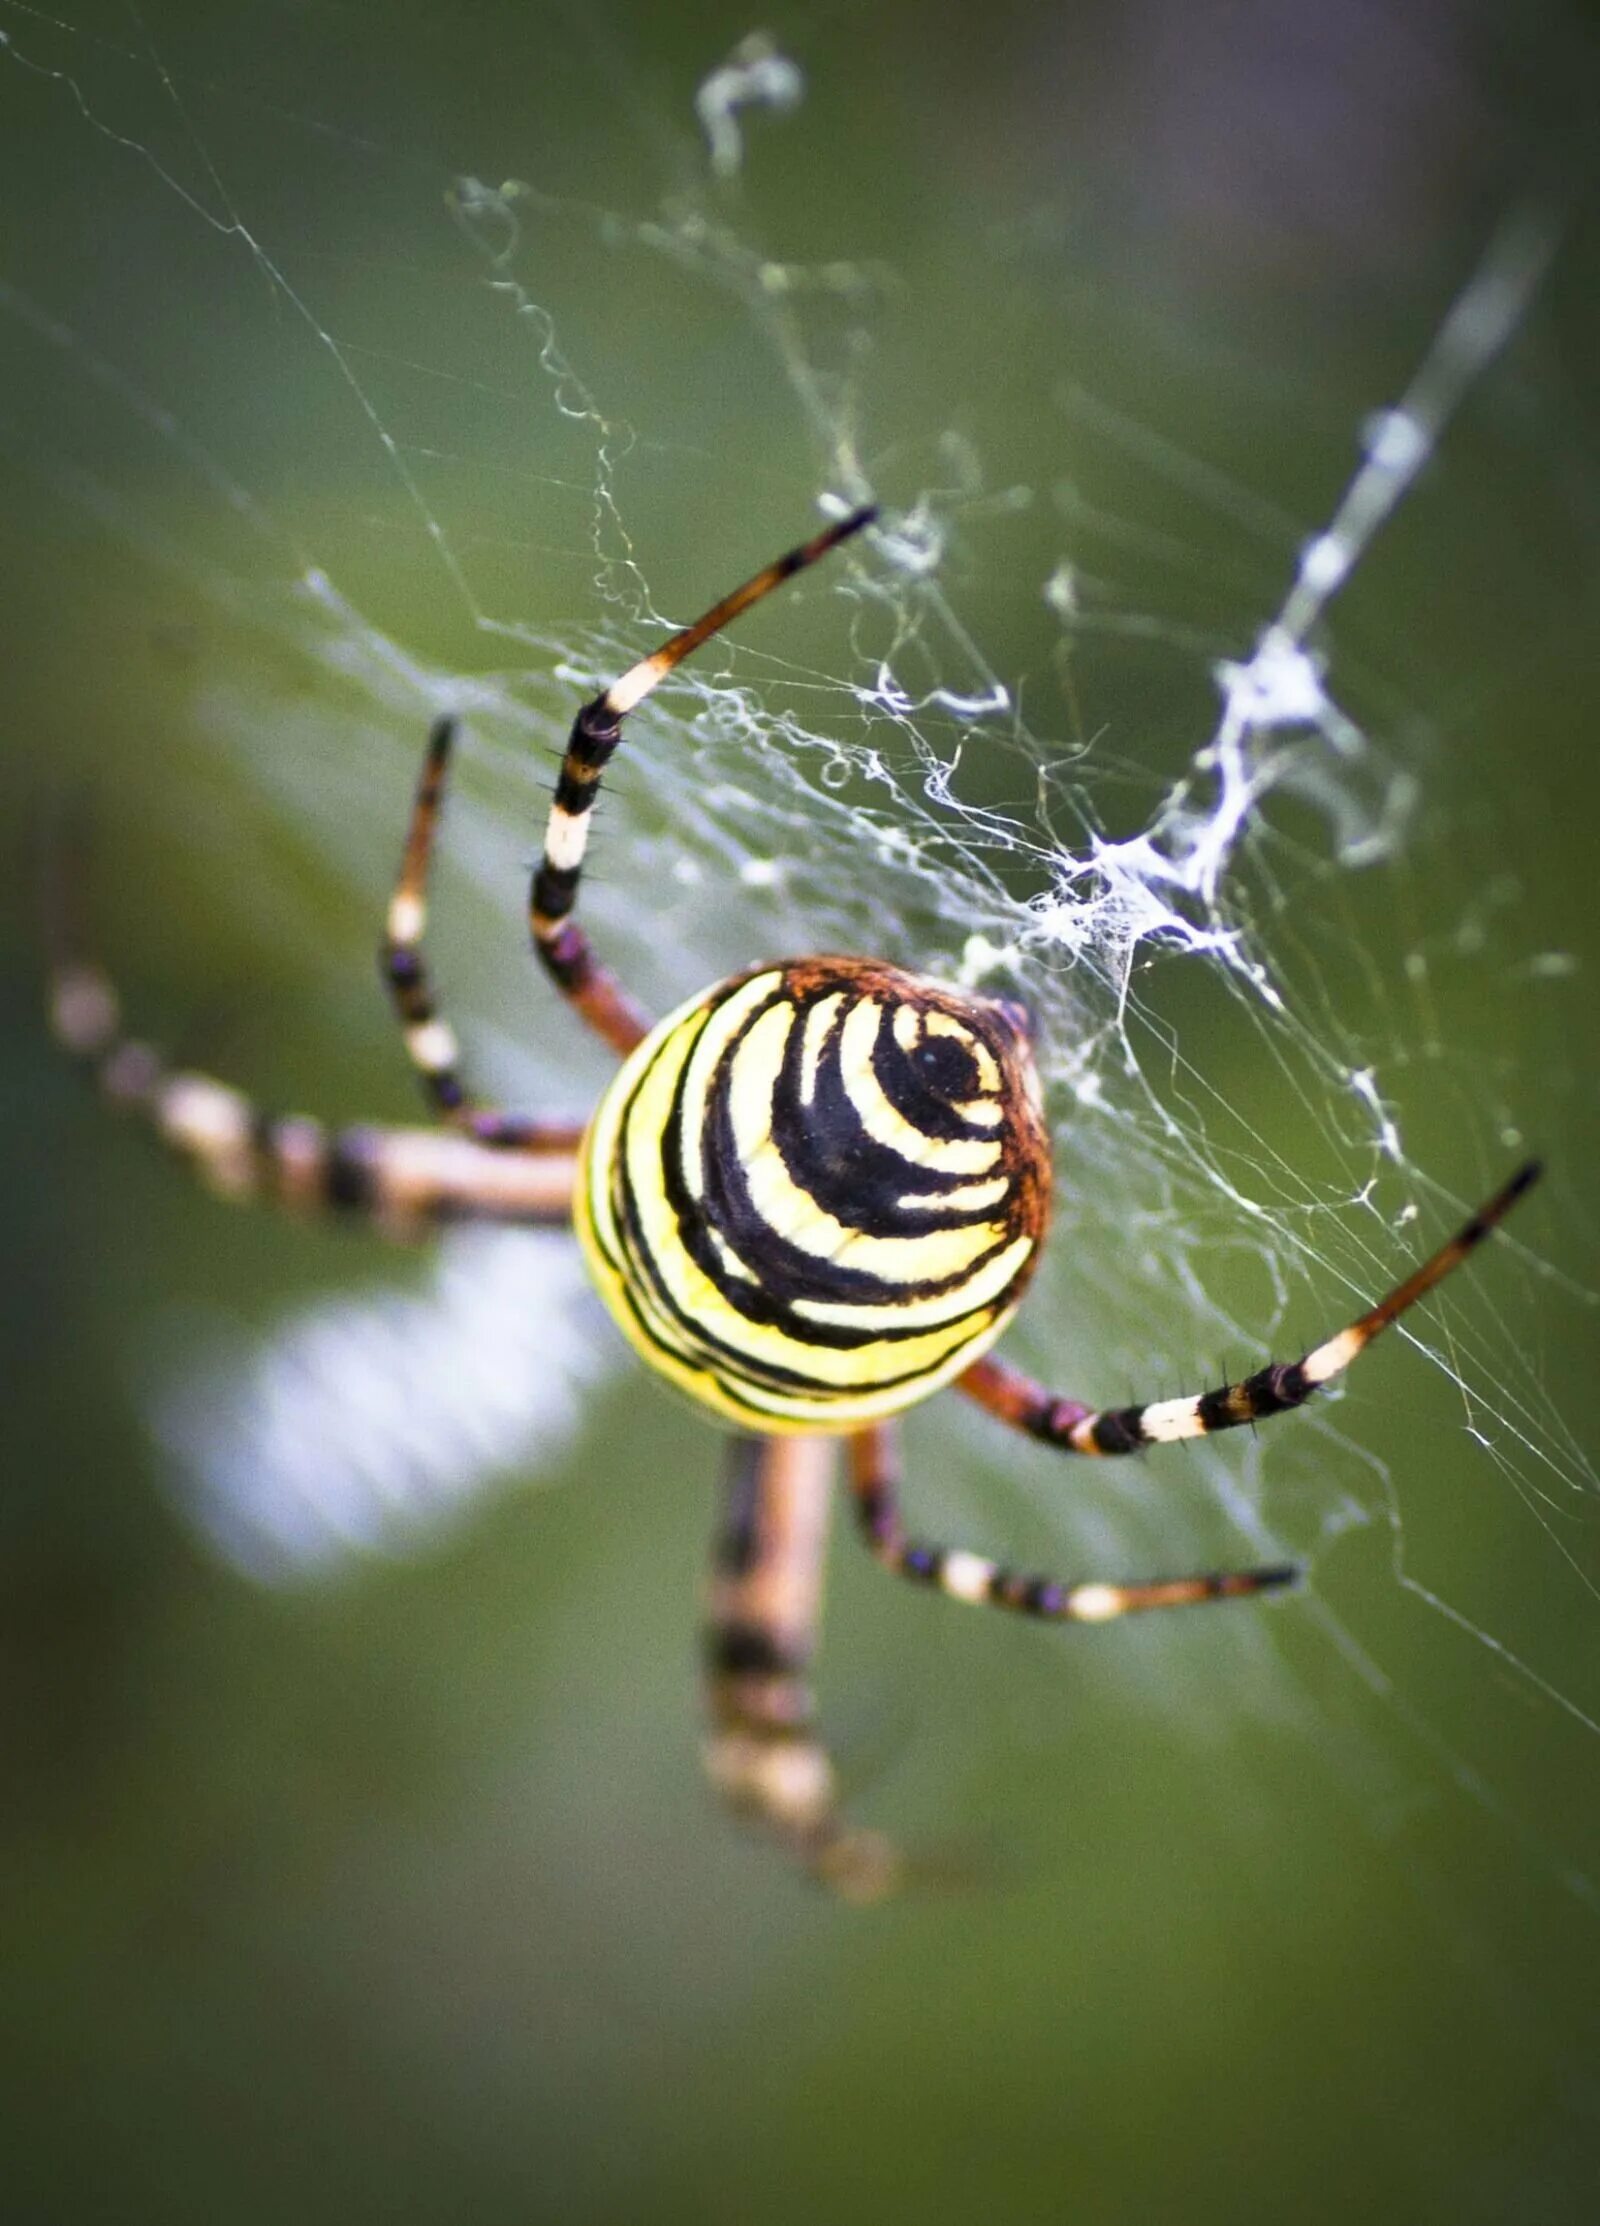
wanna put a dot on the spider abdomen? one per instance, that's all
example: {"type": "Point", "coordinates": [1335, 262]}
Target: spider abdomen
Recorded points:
{"type": "Point", "coordinates": [817, 1192]}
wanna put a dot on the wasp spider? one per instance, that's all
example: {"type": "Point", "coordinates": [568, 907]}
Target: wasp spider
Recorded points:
{"type": "Point", "coordinates": [811, 1196]}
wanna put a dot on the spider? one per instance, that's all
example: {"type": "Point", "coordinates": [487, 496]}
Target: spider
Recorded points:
{"type": "Point", "coordinates": [810, 1197]}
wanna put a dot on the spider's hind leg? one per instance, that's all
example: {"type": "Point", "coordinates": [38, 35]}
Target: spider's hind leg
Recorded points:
{"type": "Point", "coordinates": [952, 1570]}
{"type": "Point", "coordinates": [764, 1753]}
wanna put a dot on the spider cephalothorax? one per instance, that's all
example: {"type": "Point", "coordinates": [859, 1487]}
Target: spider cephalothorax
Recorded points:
{"type": "Point", "coordinates": [813, 1195]}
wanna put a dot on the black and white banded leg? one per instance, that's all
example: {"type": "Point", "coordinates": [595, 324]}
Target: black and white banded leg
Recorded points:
{"type": "Point", "coordinates": [429, 1039]}
{"type": "Point", "coordinates": [875, 1482]}
{"type": "Point", "coordinates": [404, 1179]}
{"type": "Point", "coordinates": [561, 943]}
{"type": "Point", "coordinates": [1277, 1389]}
{"type": "Point", "coordinates": [763, 1752]}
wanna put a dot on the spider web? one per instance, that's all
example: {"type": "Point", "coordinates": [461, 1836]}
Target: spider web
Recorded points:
{"type": "Point", "coordinates": [1138, 700]}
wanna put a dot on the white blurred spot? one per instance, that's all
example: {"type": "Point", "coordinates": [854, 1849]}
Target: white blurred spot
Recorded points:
{"type": "Point", "coordinates": [1281, 686]}
{"type": "Point", "coordinates": [1061, 590]}
{"type": "Point", "coordinates": [1324, 563]}
{"type": "Point", "coordinates": [366, 1424]}
{"type": "Point", "coordinates": [1394, 441]}
{"type": "Point", "coordinates": [755, 74]}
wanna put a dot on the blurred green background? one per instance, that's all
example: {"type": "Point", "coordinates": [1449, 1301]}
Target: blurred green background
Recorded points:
{"type": "Point", "coordinates": [391, 1892]}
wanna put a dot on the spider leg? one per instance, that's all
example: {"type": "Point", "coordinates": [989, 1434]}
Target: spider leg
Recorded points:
{"type": "Point", "coordinates": [1276, 1389]}
{"type": "Point", "coordinates": [429, 1039]}
{"type": "Point", "coordinates": [875, 1482]}
{"type": "Point", "coordinates": [764, 1754]}
{"type": "Point", "coordinates": [561, 943]}
{"type": "Point", "coordinates": [404, 1179]}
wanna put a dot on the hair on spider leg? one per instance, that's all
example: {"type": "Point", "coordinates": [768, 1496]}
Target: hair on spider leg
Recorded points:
{"type": "Point", "coordinates": [1225, 1376]}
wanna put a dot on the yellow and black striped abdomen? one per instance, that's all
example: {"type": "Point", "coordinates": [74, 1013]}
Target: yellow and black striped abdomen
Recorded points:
{"type": "Point", "coordinates": [817, 1192]}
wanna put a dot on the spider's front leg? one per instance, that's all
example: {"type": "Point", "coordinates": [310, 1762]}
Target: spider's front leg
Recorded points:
{"type": "Point", "coordinates": [1017, 1400]}
{"type": "Point", "coordinates": [429, 1039]}
{"type": "Point", "coordinates": [563, 947]}
{"type": "Point", "coordinates": [402, 1179]}
{"type": "Point", "coordinates": [764, 1754]}
{"type": "Point", "coordinates": [875, 1482]}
